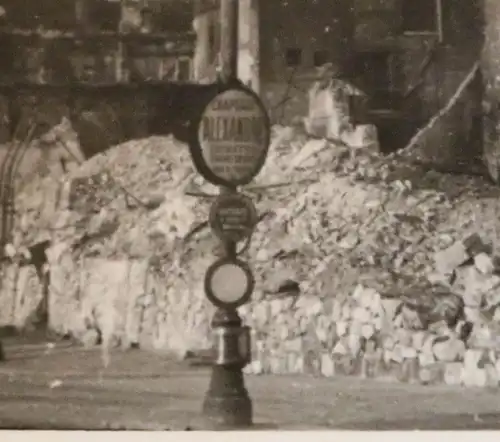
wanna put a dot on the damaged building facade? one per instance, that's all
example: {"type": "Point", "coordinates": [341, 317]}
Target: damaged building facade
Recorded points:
{"type": "Point", "coordinates": [408, 57]}
{"type": "Point", "coordinates": [67, 45]}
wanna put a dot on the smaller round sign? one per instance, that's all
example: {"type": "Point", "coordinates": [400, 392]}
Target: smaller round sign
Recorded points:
{"type": "Point", "coordinates": [229, 283]}
{"type": "Point", "coordinates": [233, 217]}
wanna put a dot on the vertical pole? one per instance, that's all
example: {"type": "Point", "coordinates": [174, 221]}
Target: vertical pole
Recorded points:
{"type": "Point", "coordinates": [229, 10]}
{"type": "Point", "coordinates": [202, 51]}
{"type": "Point", "coordinates": [227, 402]}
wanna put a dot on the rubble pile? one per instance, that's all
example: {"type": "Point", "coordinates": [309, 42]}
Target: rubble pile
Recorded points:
{"type": "Point", "coordinates": [349, 249]}
{"type": "Point", "coordinates": [445, 329]}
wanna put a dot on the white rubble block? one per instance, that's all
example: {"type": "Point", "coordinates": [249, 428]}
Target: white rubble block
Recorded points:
{"type": "Point", "coordinates": [341, 348]}
{"type": "Point", "coordinates": [103, 295]}
{"type": "Point", "coordinates": [355, 344]}
{"type": "Point", "coordinates": [367, 298]}
{"type": "Point", "coordinates": [336, 313]}
{"type": "Point", "coordinates": [404, 337]}
{"type": "Point", "coordinates": [89, 338]}
{"type": "Point", "coordinates": [475, 358]}
{"type": "Point", "coordinates": [327, 365]}
{"type": "Point", "coordinates": [390, 306]}
{"type": "Point", "coordinates": [473, 314]}
{"type": "Point", "coordinates": [453, 373]}
{"type": "Point", "coordinates": [309, 305]}
{"type": "Point", "coordinates": [410, 318]}
{"type": "Point", "coordinates": [480, 378]}
{"type": "Point", "coordinates": [493, 379]}
{"type": "Point", "coordinates": [305, 156]}
{"type": "Point", "coordinates": [368, 331]}
{"type": "Point", "coordinates": [450, 350]}
{"type": "Point", "coordinates": [388, 342]}
{"type": "Point", "coordinates": [356, 327]}
{"type": "Point", "coordinates": [426, 359]}
{"type": "Point", "coordinates": [484, 263]}
{"type": "Point", "coordinates": [347, 311]}
{"type": "Point", "coordinates": [324, 329]}
{"type": "Point", "coordinates": [447, 260]}
{"type": "Point", "coordinates": [483, 337]}
{"type": "Point", "coordinates": [361, 315]}
{"type": "Point", "coordinates": [362, 136]}
{"type": "Point", "coordinates": [396, 354]}
{"type": "Point", "coordinates": [350, 241]}
{"type": "Point", "coordinates": [418, 340]}
{"type": "Point", "coordinates": [378, 323]}
{"type": "Point", "coordinates": [409, 353]}
{"type": "Point", "coordinates": [496, 315]}
{"type": "Point", "coordinates": [342, 328]}
{"type": "Point", "coordinates": [475, 285]}
{"type": "Point", "coordinates": [262, 313]}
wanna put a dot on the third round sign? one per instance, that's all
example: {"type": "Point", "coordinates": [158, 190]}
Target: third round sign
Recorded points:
{"type": "Point", "coordinates": [233, 217]}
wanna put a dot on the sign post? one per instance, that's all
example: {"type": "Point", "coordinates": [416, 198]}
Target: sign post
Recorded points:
{"type": "Point", "coordinates": [229, 146]}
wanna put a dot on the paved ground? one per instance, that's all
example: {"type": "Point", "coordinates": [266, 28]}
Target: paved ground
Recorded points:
{"type": "Point", "coordinates": [67, 388]}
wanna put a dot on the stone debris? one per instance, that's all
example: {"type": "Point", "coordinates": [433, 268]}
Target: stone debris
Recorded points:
{"type": "Point", "coordinates": [390, 277]}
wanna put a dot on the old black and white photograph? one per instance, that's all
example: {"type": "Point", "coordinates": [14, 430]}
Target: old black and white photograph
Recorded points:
{"type": "Point", "coordinates": [249, 215]}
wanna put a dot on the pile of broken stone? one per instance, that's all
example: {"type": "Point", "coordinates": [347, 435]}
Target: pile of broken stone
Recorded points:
{"type": "Point", "coordinates": [444, 331]}
{"type": "Point", "coordinates": [343, 257]}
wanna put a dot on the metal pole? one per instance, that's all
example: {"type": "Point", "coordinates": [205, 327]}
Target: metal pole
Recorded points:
{"type": "Point", "coordinates": [229, 10]}
{"type": "Point", "coordinates": [227, 402]}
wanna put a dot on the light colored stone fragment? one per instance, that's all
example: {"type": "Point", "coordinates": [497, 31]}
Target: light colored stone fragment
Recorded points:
{"type": "Point", "coordinates": [450, 350]}
{"type": "Point", "coordinates": [475, 378]}
{"type": "Point", "coordinates": [367, 331]}
{"type": "Point", "coordinates": [340, 349]}
{"type": "Point", "coordinates": [418, 340]}
{"type": "Point", "coordinates": [426, 359]}
{"type": "Point", "coordinates": [453, 373]}
{"type": "Point", "coordinates": [492, 376]}
{"type": "Point", "coordinates": [409, 353]}
{"type": "Point", "coordinates": [390, 306]}
{"type": "Point", "coordinates": [336, 310]}
{"type": "Point", "coordinates": [342, 328]}
{"type": "Point", "coordinates": [346, 312]}
{"type": "Point", "coordinates": [484, 263]}
{"type": "Point", "coordinates": [362, 315]}
{"type": "Point", "coordinates": [403, 337]}
{"type": "Point", "coordinates": [327, 366]}
{"type": "Point", "coordinates": [472, 358]}
{"type": "Point", "coordinates": [89, 338]}
{"type": "Point", "coordinates": [449, 259]}
{"type": "Point", "coordinates": [378, 323]}
{"type": "Point", "coordinates": [397, 353]}
{"type": "Point", "coordinates": [354, 342]}
{"type": "Point", "coordinates": [356, 327]}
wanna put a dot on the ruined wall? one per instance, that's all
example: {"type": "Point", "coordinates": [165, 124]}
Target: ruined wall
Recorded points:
{"type": "Point", "coordinates": [295, 39]}
{"type": "Point", "coordinates": [491, 75]}
{"type": "Point", "coordinates": [423, 70]}
{"type": "Point", "coordinates": [44, 44]}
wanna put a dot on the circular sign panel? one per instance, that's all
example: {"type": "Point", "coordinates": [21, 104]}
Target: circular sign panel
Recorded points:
{"type": "Point", "coordinates": [233, 217]}
{"type": "Point", "coordinates": [229, 283]}
{"type": "Point", "coordinates": [233, 138]}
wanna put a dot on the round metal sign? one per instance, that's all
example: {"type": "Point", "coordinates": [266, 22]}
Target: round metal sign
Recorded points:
{"type": "Point", "coordinates": [229, 283]}
{"type": "Point", "coordinates": [233, 137]}
{"type": "Point", "coordinates": [233, 217]}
